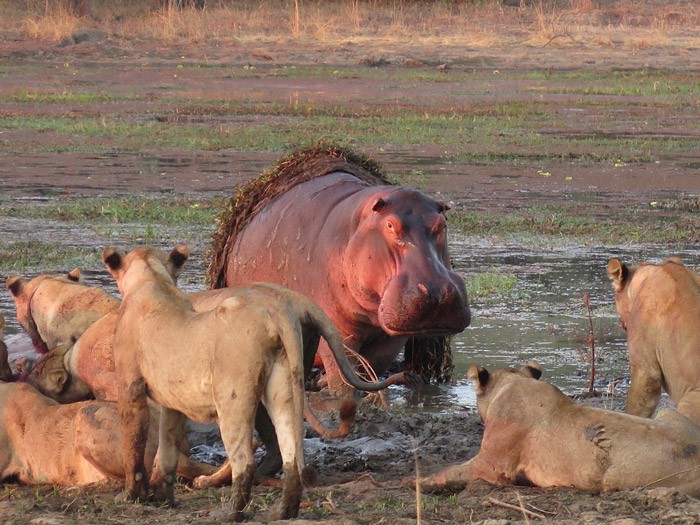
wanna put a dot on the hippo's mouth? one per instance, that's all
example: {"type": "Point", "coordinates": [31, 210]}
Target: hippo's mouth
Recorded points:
{"type": "Point", "coordinates": [428, 331]}
{"type": "Point", "coordinates": [397, 323]}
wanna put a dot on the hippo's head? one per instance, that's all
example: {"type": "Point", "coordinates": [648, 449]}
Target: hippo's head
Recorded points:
{"type": "Point", "coordinates": [397, 265]}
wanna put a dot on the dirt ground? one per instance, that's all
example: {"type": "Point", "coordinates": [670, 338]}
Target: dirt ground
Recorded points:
{"type": "Point", "coordinates": [360, 477]}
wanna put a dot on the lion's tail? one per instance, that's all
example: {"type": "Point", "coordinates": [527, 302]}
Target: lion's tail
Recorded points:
{"type": "Point", "coordinates": [291, 335]}
{"type": "Point", "coordinates": [329, 332]}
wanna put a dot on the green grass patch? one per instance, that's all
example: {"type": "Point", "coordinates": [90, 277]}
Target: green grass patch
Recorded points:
{"type": "Point", "coordinates": [489, 139]}
{"type": "Point", "coordinates": [489, 284]}
{"type": "Point", "coordinates": [572, 223]}
{"type": "Point", "coordinates": [29, 97]}
{"type": "Point", "coordinates": [18, 256]}
{"type": "Point", "coordinates": [132, 209]}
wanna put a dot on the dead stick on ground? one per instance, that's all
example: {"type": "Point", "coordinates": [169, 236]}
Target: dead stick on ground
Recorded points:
{"type": "Point", "coordinates": [522, 508]}
{"type": "Point", "coordinates": [516, 508]}
{"type": "Point", "coordinates": [670, 476]}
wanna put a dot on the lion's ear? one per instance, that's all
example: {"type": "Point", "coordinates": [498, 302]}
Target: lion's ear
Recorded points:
{"type": "Point", "coordinates": [532, 369]}
{"type": "Point", "coordinates": [480, 376]}
{"type": "Point", "coordinates": [618, 273]}
{"type": "Point", "coordinates": [112, 259]}
{"type": "Point", "coordinates": [177, 259]}
{"type": "Point", "coordinates": [58, 379]}
{"type": "Point", "coordinates": [15, 283]}
{"type": "Point", "coordinates": [75, 275]}
{"type": "Point", "coordinates": [674, 260]}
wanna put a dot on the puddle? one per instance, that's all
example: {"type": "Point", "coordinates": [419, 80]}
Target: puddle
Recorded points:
{"type": "Point", "coordinates": [543, 318]}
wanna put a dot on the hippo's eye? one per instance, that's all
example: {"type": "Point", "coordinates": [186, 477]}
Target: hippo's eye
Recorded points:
{"type": "Point", "coordinates": [390, 226]}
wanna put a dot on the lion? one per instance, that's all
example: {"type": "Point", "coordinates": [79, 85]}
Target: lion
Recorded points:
{"type": "Point", "coordinates": [49, 322]}
{"type": "Point", "coordinates": [247, 353]}
{"type": "Point", "coordinates": [536, 435]}
{"type": "Point", "coordinates": [42, 441]}
{"type": "Point", "coordinates": [659, 308]}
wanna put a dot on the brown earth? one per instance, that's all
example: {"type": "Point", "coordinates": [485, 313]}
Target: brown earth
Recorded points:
{"type": "Point", "coordinates": [360, 478]}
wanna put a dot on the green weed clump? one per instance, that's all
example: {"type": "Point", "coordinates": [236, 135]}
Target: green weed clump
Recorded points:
{"type": "Point", "coordinates": [179, 211]}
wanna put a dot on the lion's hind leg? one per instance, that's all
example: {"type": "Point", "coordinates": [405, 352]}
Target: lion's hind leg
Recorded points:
{"type": "Point", "coordinates": [285, 408]}
{"type": "Point", "coordinates": [236, 411]}
{"type": "Point", "coordinates": [171, 429]}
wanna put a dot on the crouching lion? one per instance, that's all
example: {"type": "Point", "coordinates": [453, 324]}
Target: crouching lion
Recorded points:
{"type": "Point", "coordinates": [246, 353]}
{"type": "Point", "coordinates": [50, 322]}
{"type": "Point", "coordinates": [659, 307]}
{"type": "Point", "coordinates": [536, 435]}
{"type": "Point", "coordinates": [42, 441]}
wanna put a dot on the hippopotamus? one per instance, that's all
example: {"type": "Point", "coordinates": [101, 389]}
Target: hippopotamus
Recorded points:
{"type": "Point", "coordinates": [373, 256]}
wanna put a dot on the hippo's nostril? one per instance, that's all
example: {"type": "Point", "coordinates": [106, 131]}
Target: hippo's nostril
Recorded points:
{"type": "Point", "coordinates": [423, 288]}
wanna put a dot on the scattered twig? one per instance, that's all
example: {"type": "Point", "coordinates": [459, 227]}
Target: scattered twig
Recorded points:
{"type": "Point", "coordinates": [510, 506]}
{"type": "Point", "coordinates": [419, 496]}
{"type": "Point", "coordinates": [522, 507]}
{"type": "Point", "coordinates": [591, 341]}
{"type": "Point", "coordinates": [696, 467]}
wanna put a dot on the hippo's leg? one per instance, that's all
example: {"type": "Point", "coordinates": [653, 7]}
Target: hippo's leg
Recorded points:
{"type": "Point", "coordinates": [272, 462]}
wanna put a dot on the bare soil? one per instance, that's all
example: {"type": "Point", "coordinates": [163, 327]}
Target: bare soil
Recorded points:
{"type": "Point", "coordinates": [361, 478]}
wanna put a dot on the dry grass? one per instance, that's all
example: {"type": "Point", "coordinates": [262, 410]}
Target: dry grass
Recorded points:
{"type": "Point", "coordinates": [634, 23]}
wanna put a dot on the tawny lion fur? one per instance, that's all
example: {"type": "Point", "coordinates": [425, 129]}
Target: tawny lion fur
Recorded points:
{"type": "Point", "coordinates": [42, 441]}
{"type": "Point", "coordinates": [246, 354]}
{"type": "Point", "coordinates": [51, 324]}
{"type": "Point", "coordinates": [659, 307]}
{"type": "Point", "coordinates": [536, 435]}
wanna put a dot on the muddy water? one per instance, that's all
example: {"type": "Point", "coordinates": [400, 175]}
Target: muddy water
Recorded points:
{"type": "Point", "coordinates": [543, 318]}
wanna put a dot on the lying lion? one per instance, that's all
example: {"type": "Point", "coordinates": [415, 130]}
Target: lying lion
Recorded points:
{"type": "Point", "coordinates": [55, 311]}
{"type": "Point", "coordinates": [536, 435]}
{"type": "Point", "coordinates": [246, 353]}
{"type": "Point", "coordinates": [659, 307]}
{"type": "Point", "coordinates": [45, 442]}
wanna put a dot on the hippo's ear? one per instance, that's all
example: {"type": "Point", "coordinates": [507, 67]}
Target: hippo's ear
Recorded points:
{"type": "Point", "coordinates": [532, 369]}
{"type": "Point", "coordinates": [75, 275]}
{"type": "Point", "coordinates": [15, 283]}
{"type": "Point", "coordinates": [112, 259]}
{"type": "Point", "coordinates": [379, 204]}
{"type": "Point", "coordinates": [177, 259]}
{"type": "Point", "coordinates": [618, 273]}
{"type": "Point", "coordinates": [480, 376]}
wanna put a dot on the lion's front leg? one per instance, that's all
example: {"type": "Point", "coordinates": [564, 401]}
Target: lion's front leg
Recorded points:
{"type": "Point", "coordinates": [645, 391]}
{"type": "Point", "coordinates": [171, 430]}
{"type": "Point", "coordinates": [134, 417]}
{"type": "Point", "coordinates": [451, 479]}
